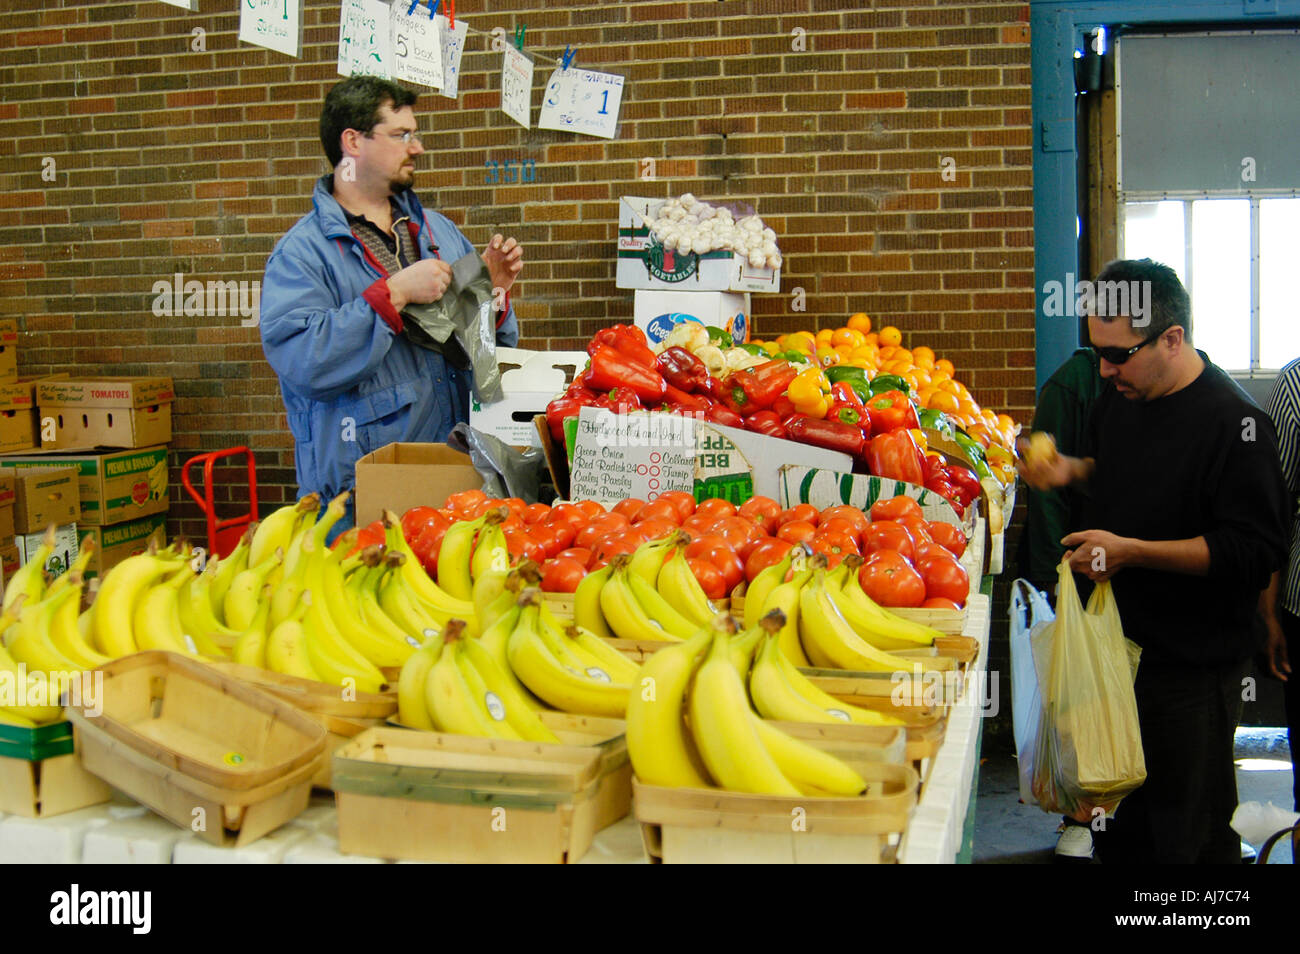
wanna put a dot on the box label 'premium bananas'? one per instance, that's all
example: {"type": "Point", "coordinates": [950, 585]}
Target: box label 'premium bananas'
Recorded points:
{"type": "Point", "coordinates": [122, 485]}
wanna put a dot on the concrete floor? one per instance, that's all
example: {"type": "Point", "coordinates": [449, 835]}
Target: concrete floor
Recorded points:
{"type": "Point", "coordinates": [1007, 832]}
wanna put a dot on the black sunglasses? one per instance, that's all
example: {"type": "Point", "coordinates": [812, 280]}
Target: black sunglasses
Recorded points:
{"type": "Point", "coordinates": [1120, 355]}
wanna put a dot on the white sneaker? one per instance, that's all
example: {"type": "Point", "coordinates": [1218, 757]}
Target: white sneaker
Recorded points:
{"type": "Point", "coordinates": [1075, 843]}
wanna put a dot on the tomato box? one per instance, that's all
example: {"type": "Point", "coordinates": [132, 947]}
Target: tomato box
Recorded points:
{"type": "Point", "coordinates": [8, 350]}
{"type": "Point", "coordinates": [19, 422]}
{"type": "Point", "coordinates": [105, 412]}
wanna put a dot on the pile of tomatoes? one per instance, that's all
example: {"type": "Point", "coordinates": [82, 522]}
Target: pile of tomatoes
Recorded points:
{"type": "Point", "coordinates": [909, 561]}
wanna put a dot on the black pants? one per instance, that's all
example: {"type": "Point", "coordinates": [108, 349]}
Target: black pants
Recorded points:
{"type": "Point", "coordinates": [1291, 695]}
{"type": "Point", "coordinates": [1180, 815]}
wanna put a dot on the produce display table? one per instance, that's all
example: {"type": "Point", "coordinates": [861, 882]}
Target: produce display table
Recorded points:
{"type": "Point", "coordinates": [121, 832]}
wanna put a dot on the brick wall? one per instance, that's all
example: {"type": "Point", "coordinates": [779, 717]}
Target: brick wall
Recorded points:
{"type": "Point", "coordinates": [169, 159]}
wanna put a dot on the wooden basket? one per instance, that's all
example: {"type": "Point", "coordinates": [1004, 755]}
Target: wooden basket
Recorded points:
{"type": "Point", "coordinates": [191, 742]}
{"type": "Point", "coordinates": [925, 725]}
{"type": "Point", "coordinates": [604, 738]}
{"type": "Point", "coordinates": [433, 796]}
{"type": "Point", "coordinates": [319, 698]}
{"type": "Point", "coordinates": [39, 774]}
{"type": "Point", "coordinates": [709, 826]}
{"type": "Point", "coordinates": [340, 731]}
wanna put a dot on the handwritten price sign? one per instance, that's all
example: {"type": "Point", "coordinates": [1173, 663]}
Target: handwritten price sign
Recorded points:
{"type": "Point", "coordinates": [274, 24]}
{"type": "Point", "coordinates": [417, 45]}
{"type": "Point", "coordinates": [582, 101]}
{"type": "Point", "coordinates": [364, 43]}
{"type": "Point", "coordinates": [517, 86]}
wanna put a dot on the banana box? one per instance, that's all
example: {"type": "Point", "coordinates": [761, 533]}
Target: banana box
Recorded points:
{"type": "Point", "coordinates": [9, 560]}
{"type": "Point", "coordinates": [8, 350]}
{"type": "Point", "coordinates": [115, 486]}
{"type": "Point", "coordinates": [65, 548]}
{"type": "Point", "coordinates": [115, 543]}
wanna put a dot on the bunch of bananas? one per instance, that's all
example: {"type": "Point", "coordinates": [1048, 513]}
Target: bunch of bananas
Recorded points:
{"type": "Point", "coordinates": [830, 621]}
{"type": "Point", "coordinates": [650, 594]}
{"type": "Point", "coordinates": [523, 662]}
{"type": "Point", "coordinates": [44, 646]}
{"type": "Point", "coordinates": [691, 725]}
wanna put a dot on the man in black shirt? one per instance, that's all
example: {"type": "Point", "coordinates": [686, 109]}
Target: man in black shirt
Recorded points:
{"type": "Point", "coordinates": [1188, 514]}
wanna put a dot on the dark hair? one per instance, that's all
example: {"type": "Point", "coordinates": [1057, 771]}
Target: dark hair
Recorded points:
{"type": "Point", "coordinates": [354, 104]}
{"type": "Point", "coordinates": [1167, 301]}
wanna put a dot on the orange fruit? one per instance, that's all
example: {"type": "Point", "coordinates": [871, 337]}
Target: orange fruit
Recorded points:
{"type": "Point", "coordinates": [922, 376]}
{"type": "Point", "coordinates": [889, 335]}
{"type": "Point", "coordinates": [944, 365]}
{"type": "Point", "coordinates": [923, 394]}
{"type": "Point", "coordinates": [1005, 422]}
{"type": "Point", "coordinates": [951, 386]}
{"type": "Point", "coordinates": [824, 336]}
{"type": "Point", "coordinates": [860, 322]}
{"type": "Point", "coordinates": [847, 337]}
{"type": "Point", "coordinates": [943, 401]}
{"type": "Point", "coordinates": [922, 353]}
{"type": "Point", "coordinates": [828, 356]}
{"type": "Point", "coordinates": [887, 352]}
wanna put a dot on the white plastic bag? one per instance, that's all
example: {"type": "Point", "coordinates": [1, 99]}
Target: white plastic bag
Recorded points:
{"type": "Point", "coordinates": [1030, 612]}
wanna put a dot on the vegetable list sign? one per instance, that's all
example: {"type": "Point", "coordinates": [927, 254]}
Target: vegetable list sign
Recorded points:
{"type": "Point", "coordinates": [582, 101]}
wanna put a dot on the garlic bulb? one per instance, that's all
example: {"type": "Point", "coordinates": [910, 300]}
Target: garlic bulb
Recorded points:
{"type": "Point", "coordinates": [757, 259]}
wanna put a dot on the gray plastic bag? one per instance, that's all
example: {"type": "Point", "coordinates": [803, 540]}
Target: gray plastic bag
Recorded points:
{"type": "Point", "coordinates": [464, 312]}
{"type": "Point", "coordinates": [506, 472]}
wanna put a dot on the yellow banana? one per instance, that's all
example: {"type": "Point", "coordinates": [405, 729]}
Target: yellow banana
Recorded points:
{"type": "Point", "coordinates": [448, 695]}
{"type": "Point", "coordinates": [378, 646]}
{"type": "Point", "coordinates": [66, 631]}
{"type": "Point", "coordinates": [485, 700]}
{"type": "Point", "coordinates": [628, 618]}
{"type": "Point", "coordinates": [276, 532]}
{"type": "Point", "coordinates": [724, 728]}
{"type": "Point", "coordinates": [226, 572]}
{"type": "Point", "coordinates": [29, 579]}
{"type": "Point", "coordinates": [766, 581]}
{"type": "Point", "coordinates": [157, 620]}
{"type": "Point", "coordinates": [828, 703]}
{"type": "Point", "coordinates": [31, 691]}
{"type": "Point", "coordinates": [874, 623]}
{"type": "Point", "coordinates": [245, 592]}
{"type": "Point", "coordinates": [808, 767]}
{"type": "Point", "coordinates": [743, 647]}
{"type": "Point", "coordinates": [454, 558]}
{"type": "Point", "coordinates": [211, 636]}
{"type": "Point", "coordinates": [785, 597]}
{"type": "Point", "coordinates": [677, 585]}
{"type": "Point", "coordinates": [432, 594]}
{"type": "Point", "coordinates": [85, 550]}
{"type": "Point", "coordinates": [552, 681]}
{"type": "Point", "coordinates": [831, 642]}
{"type": "Point", "coordinates": [412, 708]}
{"type": "Point", "coordinates": [659, 610]}
{"type": "Point", "coordinates": [250, 645]}
{"type": "Point", "coordinates": [286, 648]}
{"type": "Point", "coordinates": [403, 609]}
{"type": "Point", "coordinates": [374, 616]}
{"type": "Point", "coordinates": [121, 589]}
{"type": "Point", "coordinates": [661, 750]}
{"type": "Point", "coordinates": [32, 645]}
{"type": "Point", "coordinates": [490, 552]}
{"type": "Point", "coordinates": [648, 559]}
{"type": "Point", "coordinates": [332, 657]}
{"type": "Point", "coordinates": [521, 706]}
{"type": "Point", "coordinates": [600, 654]}
{"type": "Point", "coordinates": [586, 602]}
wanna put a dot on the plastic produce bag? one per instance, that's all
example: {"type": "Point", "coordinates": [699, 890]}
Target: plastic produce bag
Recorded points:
{"type": "Point", "coordinates": [506, 471]}
{"type": "Point", "coordinates": [464, 312]}
{"type": "Point", "coordinates": [1088, 748]}
{"type": "Point", "coordinates": [1030, 613]}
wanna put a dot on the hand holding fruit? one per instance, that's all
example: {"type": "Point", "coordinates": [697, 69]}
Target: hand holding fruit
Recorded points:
{"type": "Point", "coordinates": [1043, 467]}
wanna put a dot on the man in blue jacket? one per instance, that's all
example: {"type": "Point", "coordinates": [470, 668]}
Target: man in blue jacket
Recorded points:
{"type": "Point", "coordinates": [337, 283]}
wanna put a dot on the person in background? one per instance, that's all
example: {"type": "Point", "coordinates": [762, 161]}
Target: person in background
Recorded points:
{"type": "Point", "coordinates": [1280, 603]}
{"type": "Point", "coordinates": [336, 285]}
{"type": "Point", "coordinates": [1063, 408]}
{"type": "Point", "coordinates": [1186, 514]}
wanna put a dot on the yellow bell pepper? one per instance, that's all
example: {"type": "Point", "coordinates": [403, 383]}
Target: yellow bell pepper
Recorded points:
{"type": "Point", "coordinates": [809, 393]}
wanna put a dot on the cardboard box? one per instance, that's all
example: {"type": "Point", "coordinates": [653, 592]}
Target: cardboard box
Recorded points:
{"type": "Point", "coordinates": [115, 543]}
{"type": "Point", "coordinates": [530, 380]}
{"type": "Point", "coordinates": [114, 486]}
{"type": "Point", "coordinates": [9, 560]}
{"type": "Point", "coordinates": [8, 350]}
{"type": "Point", "coordinates": [106, 412]}
{"type": "Point", "coordinates": [65, 548]}
{"type": "Point", "coordinates": [400, 476]}
{"type": "Point", "coordinates": [657, 312]}
{"type": "Point", "coordinates": [45, 495]}
{"type": "Point", "coordinates": [644, 263]}
{"type": "Point", "coordinates": [645, 454]}
{"type": "Point", "coordinates": [7, 528]}
{"type": "Point", "coordinates": [40, 774]}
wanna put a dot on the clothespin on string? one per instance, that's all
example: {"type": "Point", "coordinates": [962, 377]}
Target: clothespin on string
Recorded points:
{"type": "Point", "coordinates": [433, 7]}
{"type": "Point", "coordinates": [569, 53]}
{"type": "Point", "coordinates": [519, 36]}
{"type": "Point", "coordinates": [411, 9]}
{"type": "Point", "coordinates": [451, 14]}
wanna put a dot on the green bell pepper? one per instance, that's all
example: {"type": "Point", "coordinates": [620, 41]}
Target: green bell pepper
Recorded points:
{"type": "Point", "coordinates": [889, 382]}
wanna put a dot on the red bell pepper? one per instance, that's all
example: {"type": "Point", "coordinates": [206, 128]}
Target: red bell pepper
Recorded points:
{"type": "Point", "coordinates": [967, 484]}
{"type": "Point", "coordinates": [891, 411]}
{"type": "Point", "coordinates": [721, 414]}
{"type": "Point", "coordinates": [762, 384]}
{"type": "Point", "coordinates": [896, 455]}
{"type": "Point", "coordinates": [563, 408]}
{"type": "Point", "coordinates": [612, 369]}
{"type": "Point", "coordinates": [766, 422]}
{"type": "Point", "coordinates": [842, 393]}
{"type": "Point", "coordinates": [681, 398]}
{"type": "Point", "coordinates": [628, 340]}
{"type": "Point", "coordinates": [683, 370]}
{"type": "Point", "coordinates": [783, 407]}
{"type": "Point", "coordinates": [823, 432]}
{"type": "Point", "coordinates": [620, 401]}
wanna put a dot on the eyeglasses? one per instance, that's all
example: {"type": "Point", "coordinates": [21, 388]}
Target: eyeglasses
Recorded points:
{"type": "Point", "coordinates": [1120, 355]}
{"type": "Point", "coordinates": [405, 137]}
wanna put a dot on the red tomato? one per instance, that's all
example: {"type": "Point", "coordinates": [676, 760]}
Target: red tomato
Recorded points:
{"type": "Point", "coordinates": [551, 539]}
{"type": "Point", "coordinates": [697, 525]}
{"type": "Point", "coordinates": [599, 528]}
{"type": "Point", "coordinates": [427, 544]}
{"type": "Point", "coordinates": [590, 508]}
{"type": "Point", "coordinates": [482, 507]}
{"type": "Point", "coordinates": [535, 513]}
{"type": "Point", "coordinates": [369, 535]}
{"type": "Point", "coordinates": [740, 533]}
{"type": "Point", "coordinates": [415, 519]}
{"type": "Point", "coordinates": [659, 510]}
{"type": "Point", "coordinates": [513, 522]}
{"type": "Point", "coordinates": [717, 551]}
{"type": "Point", "coordinates": [761, 511]}
{"type": "Point", "coordinates": [945, 577]}
{"type": "Point", "coordinates": [568, 513]}
{"type": "Point", "coordinates": [516, 504]}
{"type": "Point", "coordinates": [796, 531]}
{"type": "Point", "coordinates": [770, 550]}
{"type": "Point", "coordinates": [581, 554]}
{"type": "Point", "coordinates": [562, 576]}
{"type": "Point", "coordinates": [680, 499]}
{"type": "Point", "coordinates": [629, 507]}
{"type": "Point", "coordinates": [895, 508]}
{"type": "Point", "coordinates": [948, 536]}
{"type": "Point", "coordinates": [462, 502]}
{"type": "Point", "coordinates": [655, 529]}
{"type": "Point", "coordinates": [928, 549]}
{"type": "Point", "coordinates": [938, 602]}
{"type": "Point", "coordinates": [804, 513]}
{"type": "Point", "coordinates": [890, 580]}
{"type": "Point", "coordinates": [844, 526]}
{"type": "Point", "coordinates": [845, 512]}
{"type": "Point", "coordinates": [614, 544]}
{"type": "Point", "coordinates": [918, 528]}
{"type": "Point", "coordinates": [715, 507]}
{"type": "Point", "coordinates": [834, 544]}
{"type": "Point", "coordinates": [520, 543]}
{"type": "Point", "coordinates": [887, 535]}
{"type": "Point", "coordinates": [711, 579]}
